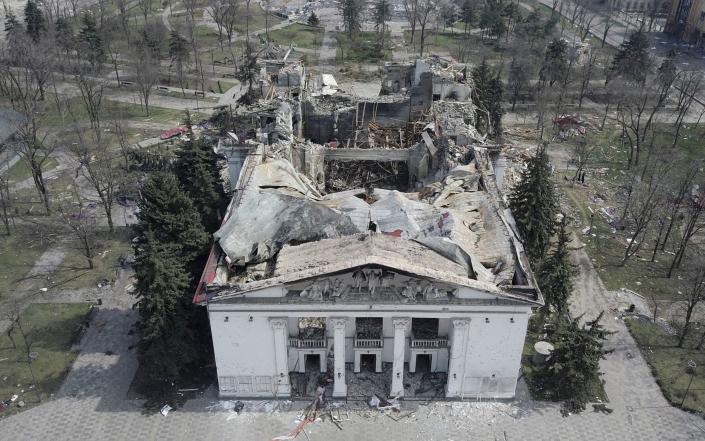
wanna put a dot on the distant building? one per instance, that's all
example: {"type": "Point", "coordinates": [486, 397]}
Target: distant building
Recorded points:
{"type": "Point", "coordinates": [687, 21]}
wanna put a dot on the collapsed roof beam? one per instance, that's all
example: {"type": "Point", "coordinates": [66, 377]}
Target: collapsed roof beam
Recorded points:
{"type": "Point", "coordinates": [380, 155]}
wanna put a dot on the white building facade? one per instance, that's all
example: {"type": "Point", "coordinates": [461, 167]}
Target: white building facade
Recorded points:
{"type": "Point", "coordinates": [473, 332]}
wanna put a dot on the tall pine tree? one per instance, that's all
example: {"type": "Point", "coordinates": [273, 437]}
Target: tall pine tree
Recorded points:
{"type": "Point", "coordinates": [632, 61]}
{"type": "Point", "coordinates": [196, 168]}
{"type": "Point", "coordinates": [34, 20]}
{"type": "Point", "coordinates": [63, 34]}
{"type": "Point", "coordinates": [91, 43]}
{"type": "Point", "coordinates": [555, 273]}
{"type": "Point", "coordinates": [533, 203]}
{"type": "Point", "coordinates": [574, 366]}
{"type": "Point", "coordinates": [167, 344]}
{"type": "Point", "coordinates": [168, 213]}
{"type": "Point", "coordinates": [487, 96]}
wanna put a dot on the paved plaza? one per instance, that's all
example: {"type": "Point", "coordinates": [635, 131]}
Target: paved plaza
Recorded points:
{"type": "Point", "coordinates": [92, 404]}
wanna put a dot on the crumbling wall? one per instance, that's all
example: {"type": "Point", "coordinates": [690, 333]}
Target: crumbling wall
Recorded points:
{"type": "Point", "coordinates": [396, 78]}
{"type": "Point", "coordinates": [386, 114]}
{"type": "Point", "coordinates": [345, 124]}
{"type": "Point", "coordinates": [318, 127]}
{"type": "Point", "coordinates": [421, 96]}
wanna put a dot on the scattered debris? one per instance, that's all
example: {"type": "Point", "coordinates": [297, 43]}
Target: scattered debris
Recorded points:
{"type": "Point", "coordinates": [165, 409]}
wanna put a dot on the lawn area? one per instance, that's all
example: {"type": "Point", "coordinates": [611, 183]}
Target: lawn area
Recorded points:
{"type": "Point", "coordinates": [362, 49]}
{"type": "Point", "coordinates": [111, 110]}
{"type": "Point", "coordinates": [50, 330]}
{"type": "Point", "coordinates": [301, 35]}
{"type": "Point", "coordinates": [19, 171]}
{"type": "Point", "coordinates": [257, 19]}
{"type": "Point", "coordinates": [73, 271]}
{"type": "Point", "coordinates": [668, 362]}
{"type": "Point", "coordinates": [18, 253]}
{"type": "Point", "coordinates": [606, 246]}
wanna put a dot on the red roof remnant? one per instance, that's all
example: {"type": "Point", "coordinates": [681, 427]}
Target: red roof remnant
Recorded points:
{"type": "Point", "coordinates": [172, 133]}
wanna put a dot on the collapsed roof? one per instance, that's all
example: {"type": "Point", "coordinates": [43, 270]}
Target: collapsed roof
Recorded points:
{"type": "Point", "coordinates": [451, 226]}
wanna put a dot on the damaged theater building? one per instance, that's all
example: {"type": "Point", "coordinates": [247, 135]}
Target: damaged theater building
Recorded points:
{"type": "Point", "coordinates": [367, 247]}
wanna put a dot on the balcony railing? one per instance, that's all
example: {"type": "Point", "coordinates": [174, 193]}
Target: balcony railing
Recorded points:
{"type": "Point", "coordinates": [368, 343]}
{"type": "Point", "coordinates": [429, 343]}
{"type": "Point", "coordinates": [307, 344]}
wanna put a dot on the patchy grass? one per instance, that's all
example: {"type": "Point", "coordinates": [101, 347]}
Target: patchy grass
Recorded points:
{"type": "Point", "coordinates": [18, 254]}
{"type": "Point", "coordinates": [668, 362]}
{"type": "Point", "coordinates": [73, 271]}
{"type": "Point", "coordinates": [362, 49]}
{"type": "Point", "coordinates": [19, 171]}
{"type": "Point", "coordinates": [50, 330]}
{"type": "Point", "coordinates": [301, 35]}
{"type": "Point", "coordinates": [111, 110]}
{"type": "Point", "coordinates": [257, 19]}
{"type": "Point", "coordinates": [606, 245]}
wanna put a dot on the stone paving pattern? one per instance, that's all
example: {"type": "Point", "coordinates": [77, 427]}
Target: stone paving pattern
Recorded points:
{"type": "Point", "coordinates": [92, 403]}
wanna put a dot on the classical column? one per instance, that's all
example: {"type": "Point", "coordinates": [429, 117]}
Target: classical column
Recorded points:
{"type": "Point", "coordinates": [458, 353]}
{"type": "Point", "coordinates": [340, 388]}
{"type": "Point", "coordinates": [281, 358]}
{"type": "Point", "coordinates": [401, 325]}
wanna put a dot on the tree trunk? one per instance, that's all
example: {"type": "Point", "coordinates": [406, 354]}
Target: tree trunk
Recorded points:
{"type": "Point", "coordinates": [701, 342]}
{"type": "Point", "coordinates": [684, 332]}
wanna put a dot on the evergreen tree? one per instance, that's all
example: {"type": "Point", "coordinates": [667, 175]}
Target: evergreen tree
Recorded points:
{"type": "Point", "coordinates": [632, 61]}
{"type": "Point", "coordinates": [34, 20]}
{"type": "Point", "coordinates": [533, 204]}
{"type": "Point", "coordinates": [178, 54]}
{"type": "Point", "coordinates": [313, 19]}
{"type": "Point", "coordinates": [196, 168]}
{"type": "Point", "coordinates": [468, 14]}
{"type": "Point", "coordinates": [381, 14]}
{"type": "Point", "coordinates": [168, 213]}
{"type": "Point", "coordinates": [495, 104]}
{"type": "Point", "coordinates": [574, 365]}
{"type": "Point", "coordinates": [167, 344]}
{"type": "Point", "coordinates": [11, 23]}
{"type": "Point", "coordinates": [63, 34]}
{"type": "Point", "coordinates": [555, 274]}
{"type": "Point", "coordinates": [92, 44]}
{"type": "Point", "coordinates": [555, 62]}
{"type": "Point", "coordinates": [487, 96]}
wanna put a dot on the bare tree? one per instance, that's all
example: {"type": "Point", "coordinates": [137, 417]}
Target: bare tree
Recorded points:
{"type": "Point", "coordinates": [146, 69]}
{"type": "Point", "coordinates": [582, 155]}
{"type": "Point", "coordinates": [146, 7]}
{"type": "Point", "coordinates": [692, 294]}
{"type": "Point", "coordinates": [5, 203]}
{"type": "Point", "coordinates": [411, 8]}
{"type": "Point", "coordinates": [643, 200]}
{"type": "Point", "coordinates": [14, 316]}
{"type": "Point", "coordinates": [639, 105]}
{"type": "Point", "coordinates": [424, 12]}
{"type": "Point", "coordinates": [687, 85]}
{"type": "Point", "coordinates": [609, 16]}
{"type": "Point", "coordinates": [91, 89]}
{"type": "Point", "coordinates": [122, 12]}
{"type": "Point", "coordinates": [97, 164]}
{"type": "Point", "coordinates": [25, 92]}
{"type": "Point", "coordinates": [75, 215]}
{"type": "Point", "coordinates": [683, 185]}
{"type": "Point", "coordinates": [586, 74]}
{"type": "Point", "coordinates": [691, 226]}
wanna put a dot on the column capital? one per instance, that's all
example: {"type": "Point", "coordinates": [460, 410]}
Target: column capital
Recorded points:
{"type": "Point", "coordinates": [460, 323]}
{"type": "Point", "coordinates": [278, 322]}
{"type": "Point", "coordinates": [339, 322]}
{"type": "Point", "coordinates": [401, 323]}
